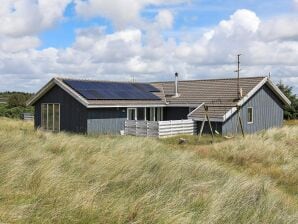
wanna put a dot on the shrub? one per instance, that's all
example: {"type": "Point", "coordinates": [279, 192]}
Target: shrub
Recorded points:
{"type": "Point", "coordinates": [17, 100]}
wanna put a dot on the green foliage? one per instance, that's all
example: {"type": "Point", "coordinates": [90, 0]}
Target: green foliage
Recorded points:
{"type": "Point", "coordinates": [13, 104]}
{"type": "Point", "coordinates": [18, 100]}
{"type": "Point", "coordinates": [291, 112]}
{"type": "Point", "coordinates": [14, 112]}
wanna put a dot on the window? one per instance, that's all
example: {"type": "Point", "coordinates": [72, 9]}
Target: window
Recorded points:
{"type": "Point", "coordinates": [141, 114]}
{"type": "Point", "coordinates": [250, 119]}
{"type": "Point", "coordinates": [149, 114]}
{"type": "Point", "coordinates": [159, 114]}
{"type": "Point", "coordinates": [50, 117]}
{"type": "Point", "coordinates": [132, 114]}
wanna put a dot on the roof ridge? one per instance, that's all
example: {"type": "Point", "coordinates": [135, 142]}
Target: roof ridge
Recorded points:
{"type": "Point", "coordinates": [155, 82]}
{"type": "Point", "coordinates": [94, 80]}
{"type": "Point", "coordinates": [213, 79]}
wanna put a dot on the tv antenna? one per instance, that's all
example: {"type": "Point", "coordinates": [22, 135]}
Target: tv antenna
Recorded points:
{"type": "Point", "coordinates": [238, 77]}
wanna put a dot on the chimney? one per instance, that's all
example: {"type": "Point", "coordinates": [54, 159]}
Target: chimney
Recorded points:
{"type": "Point", "coordinates": [176, 85]}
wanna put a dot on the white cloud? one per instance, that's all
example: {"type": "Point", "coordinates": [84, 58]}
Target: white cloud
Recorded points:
{"type": "Point", "coordinates": [241, 20]}
{"type": "Point", "coordinates": [148, 55]}
{"type": "Point", "coordinates": [121, 12]}
{"type": "Point", "coordinates": [165, 19]}
{"type": "Point", "coordinates": [11, 44]}
{"type": "Point", "coordinates": [280, 28]}
{"type": "Point", "coordinates": [28, 17]}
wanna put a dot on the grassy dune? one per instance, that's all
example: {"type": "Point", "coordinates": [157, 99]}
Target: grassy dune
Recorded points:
{"type": "Point", "coordinates": [63, 178]}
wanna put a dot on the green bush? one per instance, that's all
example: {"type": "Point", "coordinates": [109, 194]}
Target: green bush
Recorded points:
{"type": "Point", "coordinates": [18, 100]}
{"type": "Point", "coordinates": [291, 112]}
{"type": "Point", "coordinates": [15, 105]}
{"type": "Point", "coordinates": [15, 112]}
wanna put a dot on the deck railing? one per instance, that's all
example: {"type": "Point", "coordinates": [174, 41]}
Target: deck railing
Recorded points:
{"type": "Point", "coordinates": [160, 128]}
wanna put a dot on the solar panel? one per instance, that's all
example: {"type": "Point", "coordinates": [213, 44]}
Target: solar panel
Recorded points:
{"type": "Point", "coordinates": [146, 87]}
{"type": "Point", "coordinates": [92, 90]}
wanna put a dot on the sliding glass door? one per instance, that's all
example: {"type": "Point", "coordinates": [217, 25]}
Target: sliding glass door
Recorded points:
{"type": "Point", "coordinates": [50, 116]}
{"type": "Point", "coordinates": [145, 114]}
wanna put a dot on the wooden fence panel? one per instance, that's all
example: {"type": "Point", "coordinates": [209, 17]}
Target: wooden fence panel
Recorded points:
{"type": "Point", "coordinates": [160, 128]}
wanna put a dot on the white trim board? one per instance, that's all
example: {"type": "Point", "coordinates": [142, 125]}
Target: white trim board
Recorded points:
{"type": "Point", "coordinates": [188, 115]}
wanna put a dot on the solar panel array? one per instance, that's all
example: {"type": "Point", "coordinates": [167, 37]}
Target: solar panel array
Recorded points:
{"type": "Point", "coordinates": [93, 90]}
{"type": "Point", "coordinates": [146, 87]}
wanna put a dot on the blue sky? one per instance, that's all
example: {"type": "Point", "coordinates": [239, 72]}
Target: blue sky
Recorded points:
{"type": "Point", "coordinates": [146, 39]}
{"type": "Point", "coordinates": [192, 15]}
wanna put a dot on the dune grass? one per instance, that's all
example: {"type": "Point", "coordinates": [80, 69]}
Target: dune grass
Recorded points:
{"type": "Point", "coordinates": [64, 178]}
{"type": "Point", "coordinates": [291, 122]}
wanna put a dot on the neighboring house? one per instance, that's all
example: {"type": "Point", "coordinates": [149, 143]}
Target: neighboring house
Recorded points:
{"type": "Point", "coordinates": [86, 106]}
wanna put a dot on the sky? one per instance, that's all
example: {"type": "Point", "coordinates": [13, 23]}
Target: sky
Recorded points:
{"type": "Point", "coordinates": [146, 40]}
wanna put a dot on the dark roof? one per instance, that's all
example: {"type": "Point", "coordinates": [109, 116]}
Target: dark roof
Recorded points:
{"type": "Point", "coordinates": [219, 94]}
{"type": "Point", "coordinates": [98, 90]}
{"type": "Point", "coordinates": [208, 91]}
{"type": "Point", "coordinates": [215, 112]}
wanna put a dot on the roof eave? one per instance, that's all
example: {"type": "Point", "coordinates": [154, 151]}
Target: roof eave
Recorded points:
{"type": "Point", "coordinates": [279, 93]}
{"type": "Point", "coordinates": [271, 85]}
{"type": "Point", "coordinates": [41, 92]}
{"type": "Point", "coordinates": [50, 85]}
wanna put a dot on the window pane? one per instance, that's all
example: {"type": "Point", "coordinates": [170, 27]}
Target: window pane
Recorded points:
{"type": "Point", "coordinates": [158, 114]}
{"type": "Point", "coordinates": [131, 114]}
{"type": "Point", "coordinates": [250, 115]}
{"type": "Point", "coordinates": [141, 114]}
{"type": "Point", "coordinates": [56, 117]}
{"type": "Point", "coordinates": [152, 113]}
{"type": "Point", "coordinates": [148, 114]}
{"type": "Point", "coordinates": [44, 116]}
{"type": "Point", "coordinates": [50, 117]}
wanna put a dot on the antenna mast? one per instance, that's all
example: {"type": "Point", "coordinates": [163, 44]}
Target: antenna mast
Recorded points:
{"type": "Point", "coordinates": [238, 77]}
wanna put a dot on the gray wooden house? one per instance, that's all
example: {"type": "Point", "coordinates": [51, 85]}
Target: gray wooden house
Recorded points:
{"type": "Point", "coordinates": [88, 106]}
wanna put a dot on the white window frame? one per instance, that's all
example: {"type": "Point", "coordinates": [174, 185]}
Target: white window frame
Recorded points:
{"type": "Point", "coordinates": [159, 110]}
{"type": "Point", "coordinates": [129, 109]}
{"type": "Point", "coordinates": [42, 118]}
{"type": "Point", "coordinates": [151, 114]}
{"type": "Point", "coordinates": [145, 115]}
{"type": "Point", "coordinates": [252, 115]}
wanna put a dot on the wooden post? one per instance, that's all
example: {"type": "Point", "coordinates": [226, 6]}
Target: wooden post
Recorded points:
{"type": "Point", "coordinates": [202, 127]}
{"type": "Point", "coordinates": [239, 121]}
{"type": "Point", "coordinates": [210, 126]}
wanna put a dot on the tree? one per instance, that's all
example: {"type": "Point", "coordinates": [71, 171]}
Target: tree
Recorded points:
{"type": "Point", "coordinates": [17, 100]}
{"type": "Point", "coordinates": [291, 112]}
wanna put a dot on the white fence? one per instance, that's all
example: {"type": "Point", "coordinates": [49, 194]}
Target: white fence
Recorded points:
{"type": "Point", "coordinates": [160, 128]}
{"type": "Point", "coordinates": [27, 116]}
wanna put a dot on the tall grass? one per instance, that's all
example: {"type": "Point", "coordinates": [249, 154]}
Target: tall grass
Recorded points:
{"type": "Point", "coordinates": [273, 154]}
{"type": "Point", "coordinates": [64, 178]}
